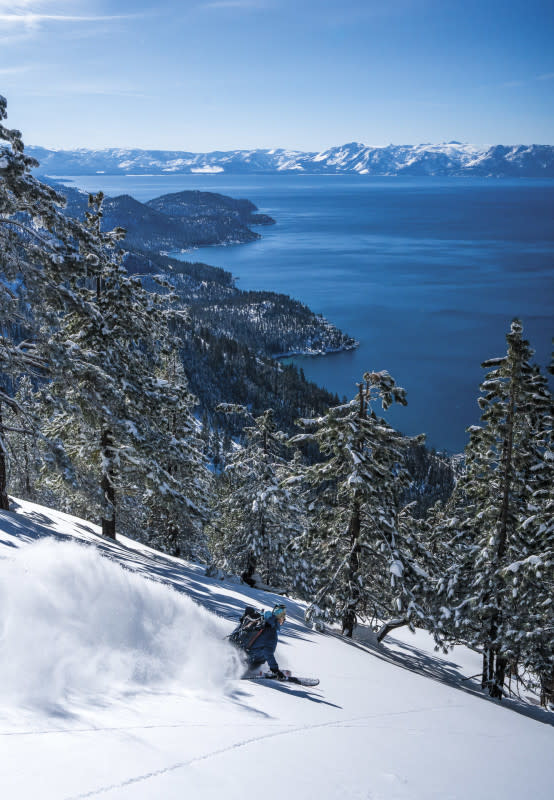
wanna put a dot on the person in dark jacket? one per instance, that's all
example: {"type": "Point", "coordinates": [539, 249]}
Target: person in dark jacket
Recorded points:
{"type": "Point", "coordinates": [263, 649]}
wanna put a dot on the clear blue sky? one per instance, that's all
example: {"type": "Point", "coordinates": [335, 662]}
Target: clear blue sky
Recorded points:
{"type": "Point", "coordinates": [306, 74]}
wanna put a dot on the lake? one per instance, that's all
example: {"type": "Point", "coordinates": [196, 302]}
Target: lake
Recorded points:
{"type": "Point", "coordinates": [426, 273]}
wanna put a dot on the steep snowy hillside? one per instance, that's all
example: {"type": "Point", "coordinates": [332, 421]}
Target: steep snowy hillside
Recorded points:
{"type": "Point", "coordinates": [116, 682]}
{"type": "Point", "coordinates": [448, 158]}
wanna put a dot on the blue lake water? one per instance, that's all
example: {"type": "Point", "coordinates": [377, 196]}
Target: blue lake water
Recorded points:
{"type": "Point", "coordinates": [426, 273]}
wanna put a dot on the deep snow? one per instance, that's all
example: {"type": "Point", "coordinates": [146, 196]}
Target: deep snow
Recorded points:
{"type": "Point", "coordinates": [115, 681]}
{"type": "Point", "coordinates": [100, 630]}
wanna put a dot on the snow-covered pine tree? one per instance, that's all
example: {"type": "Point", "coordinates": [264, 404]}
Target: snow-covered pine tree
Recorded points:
{"type": "Point", "coordinates": [489, 512]}
{"type": "Point", "coordinates": [417, 565]}
{"type": "Point", "coordinates": [171, 525]}
{"type": "Point", "coordinates": [22, 441]}
{"type": "Point", "coordinates": [254, 517]}
{"type": "Point", "coordinates": [440, 533]}
{"type": "Point", "coordinates": [39, 255]}
{"type": "Point", "coordinates": [299, 573]}
{"type": "Point", "coordinates": [110, 403]}
{"type": "Point", "coordinates": [358, 540]}
{"type": "Point", "coordinates": [528, 632]}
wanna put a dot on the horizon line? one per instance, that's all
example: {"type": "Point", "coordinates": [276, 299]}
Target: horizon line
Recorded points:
{"type": "Point", "coordinates": [453, 142]}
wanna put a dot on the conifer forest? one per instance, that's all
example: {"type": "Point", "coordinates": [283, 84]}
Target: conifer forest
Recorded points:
{"type": "Point", "coordinates": [148, 395]}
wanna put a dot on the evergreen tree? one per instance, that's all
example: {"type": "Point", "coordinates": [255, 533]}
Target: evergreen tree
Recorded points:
{"type": "Point", "coordinates": [111, 404]}
{"type": "Point", "coordinates": [171, 525]}
{"type": "Point", "coordinates": [358, 539]}
{"type": "Point", "coordinates": [22, 441]}
{"type": "Point", "coordinates": [529, 630]}
{"type": "Point", "coordinates": [39, 257]}
{"type": "Point", "coordinates": [299, 572]}
{"type": "Point", "coordinates": [506, 459]}
{"type": "Point", "coordinates": [254, 519]}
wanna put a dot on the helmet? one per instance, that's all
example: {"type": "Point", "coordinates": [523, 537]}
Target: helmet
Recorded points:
{"type": "Point", "coordinates": [279, 610]}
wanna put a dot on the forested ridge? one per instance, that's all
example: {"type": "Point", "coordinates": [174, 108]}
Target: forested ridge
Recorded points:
{"type": "Point", "coordinates": [174, 221]}
{"type": "Point", "coordinates": [232, 335]}
{"type": "Point", "coordinates": [102, 368]}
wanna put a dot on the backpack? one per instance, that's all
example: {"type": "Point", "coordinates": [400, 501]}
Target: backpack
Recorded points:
{"type": "Point", "coordinates": [250, 626]}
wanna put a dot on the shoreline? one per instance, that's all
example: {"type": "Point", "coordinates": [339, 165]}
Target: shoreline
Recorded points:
{"type": "Point", "coordinates": [316, 353]}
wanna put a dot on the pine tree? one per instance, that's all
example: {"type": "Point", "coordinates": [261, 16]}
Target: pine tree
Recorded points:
{"type": "Point", "coordinates": [111, 403]}
{"type": "Point", "coordinates": [528, 633]}
{"type": "Point", "coordinates": [413, 573]}
{"type": "Point", "coordinates": [254, 518]}
{"type": "Point", "coordinates": [22, 441]}
{"type": "Point", "coordinates": [489, 509]}
{"type": "Point", "coordinates": [357, 534]}
{"type": "Point", "coordinates": [171, 525]}
{"type": "Point", "coordinates": [39, 257]}
{"type": "Point", "coordinates": [299, 574]}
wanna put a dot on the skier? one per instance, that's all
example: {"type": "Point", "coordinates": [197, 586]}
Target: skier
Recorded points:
{"type": "Point", "coordinates": [263, 648]}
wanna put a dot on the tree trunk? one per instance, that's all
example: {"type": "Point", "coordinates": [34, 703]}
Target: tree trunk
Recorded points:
{"type": "Point", "coordinates": [488, 658]}
{"type": "Point", "coordinates": [107, 485]}
{"type": "Point", "coordinates": [497, 686]}
{"type": "Point", "coordinates": [4, 501]}
{"type": "Point", "coordinates": [485, 673]}
{"type": "Point", "coordinates": [487, 678]}
{"type": "Point", "coordinates": [173, 540]}
{"type": "Point", "coordinates": [507, 467]}
{"type": "Point", "coordinates": [27, 461]}
{"type": "Point", "coordinates": [547, 688]}
{"type": "Point", "coordinates": [348, 622]}
{"type": "Point", "coordinates": [108, 525]}
{"type": "Point", "coordinates": [497, 662]}
{"type": "Point", "coordinates": [349, 615]}
{"type": "Point", "coordinates": [494, 671]}
{"type": "Point", "coordinates": [250, 570]}
{"type": "Point", "coordinates": [390, 626]}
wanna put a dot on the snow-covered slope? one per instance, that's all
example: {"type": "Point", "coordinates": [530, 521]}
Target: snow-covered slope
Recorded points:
{"type": "Point", "coordinates": [115, 682]}
{"type": "Point", "coordinates": [449, 158]}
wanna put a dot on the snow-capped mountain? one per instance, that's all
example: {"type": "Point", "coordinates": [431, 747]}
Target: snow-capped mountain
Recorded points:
{"type": "Point", "coordinates": [451, 158]}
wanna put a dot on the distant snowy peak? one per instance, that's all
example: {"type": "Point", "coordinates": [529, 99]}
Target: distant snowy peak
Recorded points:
{"type": "Point", "coordinates": [449, 158]}
{"type": "Point", "coordinates": [423, 159]}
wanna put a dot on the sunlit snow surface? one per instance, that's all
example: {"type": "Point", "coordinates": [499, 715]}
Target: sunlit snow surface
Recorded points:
{"type": "Point", "coordinates": [116, 682]}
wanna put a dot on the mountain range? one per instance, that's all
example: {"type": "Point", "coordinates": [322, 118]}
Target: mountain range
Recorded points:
{"type": "Point", "coordinates": [446, 159]}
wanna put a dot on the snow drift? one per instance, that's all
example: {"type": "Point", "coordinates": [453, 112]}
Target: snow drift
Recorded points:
{"type": "Point", "coordinates": [74, 624]}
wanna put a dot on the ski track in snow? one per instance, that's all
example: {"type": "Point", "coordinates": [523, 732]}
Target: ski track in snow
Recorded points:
{"type": "Point", "coordinates": [50, 731]}
{"type": "Point", "coordinates": [344, 723]}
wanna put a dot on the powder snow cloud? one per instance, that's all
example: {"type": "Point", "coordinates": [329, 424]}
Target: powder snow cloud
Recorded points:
{"type": "Point", "coordinates": [75, 624]}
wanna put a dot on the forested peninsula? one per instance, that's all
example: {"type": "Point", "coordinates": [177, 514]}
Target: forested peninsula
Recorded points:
{"type": "Point", "coordinates": [233, 336]}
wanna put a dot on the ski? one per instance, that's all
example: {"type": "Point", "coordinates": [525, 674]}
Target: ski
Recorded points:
{"type": "Point", "coordinates": [289, 678]}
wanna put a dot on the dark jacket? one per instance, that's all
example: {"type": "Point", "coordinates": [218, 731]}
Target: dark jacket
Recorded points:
{"type": "Point", "coordinates": [263, 648]}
